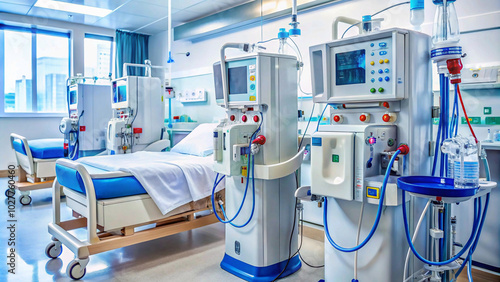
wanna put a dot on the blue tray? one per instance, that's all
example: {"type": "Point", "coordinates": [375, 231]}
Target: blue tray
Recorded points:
{"type": "Point", "coordinates": [434, 186]}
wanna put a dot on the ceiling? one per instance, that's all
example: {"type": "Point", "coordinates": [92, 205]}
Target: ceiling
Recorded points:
{"type": "Point", "coordinates": [142, 16]}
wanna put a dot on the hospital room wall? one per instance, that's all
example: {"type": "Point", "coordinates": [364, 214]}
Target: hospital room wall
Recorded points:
{"type": "Point", "coordinates": [34, 127]}
{"type": "Point", "coordinates": [479, 20]}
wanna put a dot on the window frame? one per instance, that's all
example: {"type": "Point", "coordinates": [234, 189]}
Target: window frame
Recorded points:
{"type": "Point", "coordinates": [34, 31]}
{"type": "Point", "coordinates": [103, 38]}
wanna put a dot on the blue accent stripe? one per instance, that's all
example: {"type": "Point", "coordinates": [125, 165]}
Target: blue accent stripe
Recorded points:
{"type": "Point", "coordinates": [457, 50]}
{"type": "Point", "coordinates": [259, 274]}
{"type": "Point", "coordinates": [105, 188]}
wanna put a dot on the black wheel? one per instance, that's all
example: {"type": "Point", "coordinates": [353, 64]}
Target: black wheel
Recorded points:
{"type": "Point", "coordinates": [10, 192]}
{"type": "Point", "coordinates": [52, 251]}
{"type": "Point", "coordinates": [25, 200]}
{"type": "Point", "coordinates": [75, 271]}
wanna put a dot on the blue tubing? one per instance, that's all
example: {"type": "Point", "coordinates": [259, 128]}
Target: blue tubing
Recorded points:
{"type": "Point", "coordinates": [475, 228]}
{"type": "Point", "coordinates": [253, 203]}
{"type": "Point", "coordinates": [436, 149]}
{"type": "Point", "coordinates": [474, 245]}
{"type": "Point", "coordinates": [377, 219]}
{"type": "Point", "coordinates": [216, 183]}
{"type": "Point", "coordinates": [321, 117]}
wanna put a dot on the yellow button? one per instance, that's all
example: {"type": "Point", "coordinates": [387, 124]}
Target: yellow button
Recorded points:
{"type": "Point", "coordinates": [381, 61]}
{"type": "Point", "coordinates": [386, 61]}
{"type": "Point", "coordinates": [372, 63]}
{"type": "Point", "coordinates": [252, 98]}
{"type": "Point", "coordinates": [252, 77]}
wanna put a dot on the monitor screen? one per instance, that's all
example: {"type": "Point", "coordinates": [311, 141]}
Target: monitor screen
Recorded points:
{"type": "Point", "coordinates": [237, 80]}
{"type": "Point", "coordinates": [73, 96]}
{"type": "Point", "coordinates": [350, 67]}
{"type": "Point", "coordinates": [119, 93]}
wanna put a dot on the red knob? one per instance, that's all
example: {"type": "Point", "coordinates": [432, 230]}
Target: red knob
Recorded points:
{"type": "Point", "coordinates": [232, 117]}
{"type": "Point", "coordinates": [244, 118]}
{"type": "Point", "coordinates": [386, 117]}
{"type": "Point", "coordinates": [336, 118]}
{"type": "Point", "coordinates": [386, 104]}
{"type": "Point", "coordinates": [256, 118]}
{"type": "Point", "coordinates": [261, 140]}
{"type": "Point", "coordinates": [362, 118]}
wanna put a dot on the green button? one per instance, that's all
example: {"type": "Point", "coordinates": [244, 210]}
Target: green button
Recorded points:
{"type": "Point", "coordinates": [373, 90]}
{"type": "Point", "coordinates": [381, 90]}
{"type": "Point", "coordinates": [487, 110]}
{"type": "Point", "coordinates": [335, 158]}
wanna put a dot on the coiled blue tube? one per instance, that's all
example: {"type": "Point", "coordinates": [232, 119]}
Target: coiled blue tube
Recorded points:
{"type": "Point", "coordinates": [377, 219]}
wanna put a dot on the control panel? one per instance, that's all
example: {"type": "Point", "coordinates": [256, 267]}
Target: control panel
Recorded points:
{"type": "Point", "coordinates": [365, 68]}
{"type": "Point", "coordinates": [242, 82]}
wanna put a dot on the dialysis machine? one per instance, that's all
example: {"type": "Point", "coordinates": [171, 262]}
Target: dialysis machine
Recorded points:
{"type": "Point", "coordinates": [255, 149]}
{"type": "Point", "coordinates": [378, 88]}
{"type": "Point", "coordinates": [85, 129]}
{"type": "Point", "coordinates": [138, 113]}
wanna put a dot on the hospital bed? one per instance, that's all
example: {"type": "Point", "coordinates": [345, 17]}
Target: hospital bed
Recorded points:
{"type": "Point", "coordinates": [111, 204]}
{"type": "Point", "coordinates": [36, 161]}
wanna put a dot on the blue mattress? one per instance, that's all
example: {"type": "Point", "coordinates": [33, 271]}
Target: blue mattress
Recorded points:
{"type": "Point", "coordinates": [42, 148]}
{"type": "Point", "coordinates": [105, 188]}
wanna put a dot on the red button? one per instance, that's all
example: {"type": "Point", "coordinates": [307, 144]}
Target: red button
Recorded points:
{"type": "Point", "coordinates": [386, 118]}
{"type": "Point", "coordinates": [82, 127]}
{"type": "Point", "coordinates": [256, 118]}
{"type": "Point", "coordinates": [336, 118]}
{"type": "Point", "coordinates": [232, 117]}
{"type": "Point", "coordinates": [386, 105]}
{"type": "Point", "coordinates": [244, 118]}
{"type": "Point", "coordinates": [362, 117]}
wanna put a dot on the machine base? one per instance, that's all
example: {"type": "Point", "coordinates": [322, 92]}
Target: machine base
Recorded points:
{"type": "Point", "coordinates": [260, 274]}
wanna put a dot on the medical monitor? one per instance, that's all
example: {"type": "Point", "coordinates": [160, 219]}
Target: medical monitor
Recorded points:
{"type": "Point", "coordinates": [120, 93]}
{"type": "Point", "coordinates": [73, 97]}
{"type": "Point", "coordinates": [242, 82]}
{"type": "Point", "coordinates": [373, 67]}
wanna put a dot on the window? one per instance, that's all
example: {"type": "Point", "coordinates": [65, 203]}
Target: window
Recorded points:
{"type": "Point", "coordinates": [98, 55]}
{"type": "Point", "coordinates": [35, 68]}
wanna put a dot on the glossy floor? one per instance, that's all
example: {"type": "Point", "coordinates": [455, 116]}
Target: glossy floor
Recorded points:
{"type": "Point", "coordinates": [189, 256]}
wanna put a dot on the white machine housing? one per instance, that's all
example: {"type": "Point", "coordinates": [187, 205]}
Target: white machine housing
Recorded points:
{"type": "Point", "coordinates": [365, 103]}
{"type": "Point", "coordinates": [89, 106]}
{"type": "Point", "coordinates": [138, 114]}
{"type": "Point", "coordinates": [263, 91]}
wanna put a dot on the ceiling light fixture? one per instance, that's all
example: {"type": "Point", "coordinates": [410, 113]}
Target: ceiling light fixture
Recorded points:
{"type": "Point", "coordinates": [72, 8]}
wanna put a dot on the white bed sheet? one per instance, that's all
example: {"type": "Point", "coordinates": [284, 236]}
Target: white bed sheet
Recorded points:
{"type": "Point", "coordinates": [171, 179]}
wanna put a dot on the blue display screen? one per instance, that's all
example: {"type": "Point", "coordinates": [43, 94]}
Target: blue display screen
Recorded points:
{"type": "Point", "coordinates": [350, 67]}
{"type": "Point", "coordinates": [119, 93]}
{"type": "Point", "coordinates": [72, 97]}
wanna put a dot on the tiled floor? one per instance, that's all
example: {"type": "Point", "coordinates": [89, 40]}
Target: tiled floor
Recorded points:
{"type": "Point", "coordinates": [189, 256]}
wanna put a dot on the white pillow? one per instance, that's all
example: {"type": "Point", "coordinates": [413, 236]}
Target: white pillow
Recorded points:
{"type": "Point", "coordinates": [199, 142]}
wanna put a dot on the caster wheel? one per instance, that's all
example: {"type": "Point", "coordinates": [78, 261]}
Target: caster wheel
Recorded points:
{"type": "Point", "coordinates": [52, 250]}
{"type": "Point", "coordinates": [25, 200]}
{"type": "Point", "coordinates": [10, 192]}
{"type": "Point", "coordinates": [75, 271]}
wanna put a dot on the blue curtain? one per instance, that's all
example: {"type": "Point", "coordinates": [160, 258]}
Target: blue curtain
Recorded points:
{"type": "Point", "coordinates": [130, 48]}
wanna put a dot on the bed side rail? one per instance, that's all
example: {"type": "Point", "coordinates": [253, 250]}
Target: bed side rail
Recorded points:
{"type": "Point", "coordinates": [27, 149]}
{"type": "Point", "coordinates": [90, 196]}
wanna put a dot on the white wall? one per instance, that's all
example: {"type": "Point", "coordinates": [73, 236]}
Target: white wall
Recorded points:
{"type": "Point", "coordinates": [43, 127]}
